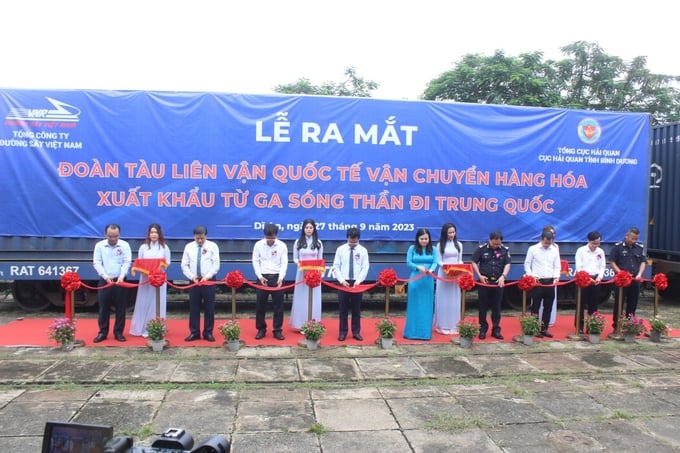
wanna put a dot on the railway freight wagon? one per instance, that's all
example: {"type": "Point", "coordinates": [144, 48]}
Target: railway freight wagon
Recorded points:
{"type": "Point", "coordinates": [72, 161]}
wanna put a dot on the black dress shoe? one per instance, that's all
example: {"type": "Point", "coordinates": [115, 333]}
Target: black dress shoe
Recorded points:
{"type": "Point", "coordinates": [482, 335]}
{"type": "Point", "coordinates": [497, 335]}
{"type": "Point", "coordinates": [260, 334]}
{"type": "Point", "coordinates": [99, 338]}
{"type": "Point", "coordinates": [120, 337]}
{"type": "Point", "coordinates": [547, 334]}
{"type": "Point", "coordinates": [539, 335]}
{"type": "Point", "coordinates": [342, 337]}
{"type": "Point", "coordinates": [358, 337]}
{"type": "Point", "coordinates": [209, 337]}
{"type": "Point", "coordinates": [192, 337]}
{"type": "Point", "coordinates": [279, 336]}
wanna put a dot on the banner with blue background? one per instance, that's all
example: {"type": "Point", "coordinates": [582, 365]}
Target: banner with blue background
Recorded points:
{"type": "Point", "coordinates": [73, 161]}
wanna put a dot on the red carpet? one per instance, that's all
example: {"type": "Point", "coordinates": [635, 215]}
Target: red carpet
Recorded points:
{"type": "Point", "coordinates": [34, 331]}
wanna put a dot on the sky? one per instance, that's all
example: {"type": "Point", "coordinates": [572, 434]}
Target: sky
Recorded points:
{"type": "Point", "coordinates": [251, 46]}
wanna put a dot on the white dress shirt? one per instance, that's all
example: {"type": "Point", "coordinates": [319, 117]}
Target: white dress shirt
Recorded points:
{"type": "Point", "coordinates": [210, 260]}
{"type": "Point", "coordinates": [112, 261]}
{"type": "Point", "coordinates": [270, 259]}
{"type": "Point", "coordinates": [543, 262]}
{"type": "Point", "coordinates": [592, 261]}
{"type": "Point", "coordinates": [341, 263]}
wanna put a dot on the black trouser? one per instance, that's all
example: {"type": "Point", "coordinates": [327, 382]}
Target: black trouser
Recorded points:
{"type": "Point", "coordinates": [261, 304]}
{"type": "Point", "coordinates": [202, 297]}
{"type": "Point", "coordinates": [545, 294]}
{"type": "Point", "coordinates": [347, 301]}
{"type": "Point", "coordinates": [114, 296]}
{"type": "Point", "coordinates": [631, 294]}
{"type": "Point", "coordinates": [590, 299]}
{"type": "Point", "coordinates": [489, 298]}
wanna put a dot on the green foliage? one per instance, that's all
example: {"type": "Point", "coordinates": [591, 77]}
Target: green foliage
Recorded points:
{"type": "Point", "coordinates": [353, 85]}
{"type": "Point", "coordinates": [587, 79]}
{"type": "Point", "coordinates": [530, 324]}
{"type": "Point", "coordinates": [313, 329]}
{"type": "Point", "coordinates": [467, 328]}
{"type": "Point", "coordinates": [386, 327]}
{"type": "Point", "coordinates": [62, 330]}
{"type": "Point", "coordinates": [659, 325]}
{"type": "Point", "coordinates": [317, 428]}
{"type": "Point", "coordinates": [595, 323]}
{"type": "Point", "coordinates": [453, 424]}
{"type": "Point", "coordinates": [630, 325]}
{"type": "Point", "coordinates": [156, 328]}
{"type": "Point", "coordinates": [230, 330]}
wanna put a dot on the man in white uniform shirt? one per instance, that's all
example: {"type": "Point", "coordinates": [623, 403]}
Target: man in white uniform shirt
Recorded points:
{"type": "Point", "coordinates": [590, 258]}
{"type": "Point", "coordinates": [270, 263]}
{"type": "Point", "coordinates": [112, 259]}
{"type": "Point", "coordinates": [543, 263]}
{"type": "Point", "coordinates": [200, 263]}
{"type": "Point", "coordinates": [350, 267]}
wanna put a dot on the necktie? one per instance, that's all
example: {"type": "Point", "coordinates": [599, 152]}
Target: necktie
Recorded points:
{"type": "Point", "coordinates": [198, 262]}
{"type": "Point", "coordinates": [351, 264]}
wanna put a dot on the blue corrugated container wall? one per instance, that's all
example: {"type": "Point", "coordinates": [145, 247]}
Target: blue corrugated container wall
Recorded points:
{"type": "Point", "coordinates": [664, 193]}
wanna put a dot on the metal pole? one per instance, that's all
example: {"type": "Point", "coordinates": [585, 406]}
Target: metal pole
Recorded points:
{"type": "Point", "coordinates": [158, 302]}
{"type": "Point", "coordinates": [233, 304]}
{"type": "Point", "coordinates": [310, 300]}
{"type": "Point", "coordinates": [579, 327]}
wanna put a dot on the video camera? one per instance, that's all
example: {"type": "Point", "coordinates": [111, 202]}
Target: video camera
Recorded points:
{"type": "Point", "coordinates": [65, 436]}
{"type": "Point", "coordinates": [173, 440]}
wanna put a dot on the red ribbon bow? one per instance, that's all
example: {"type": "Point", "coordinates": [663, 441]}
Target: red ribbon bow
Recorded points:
{"type": "Point", "coordinates": [234, 279]}
{"type": "Point", "coordinates": [526, 283]}
{"type": "Point", "coordinates": [157, 278]}
{"type": "Point", "coordinates": [466, 282]}
{"type": "Point", "coordinates": [70, 281]}
{"type": "Point", "coordinates": [623, 279]}
{"type": "Point", "coordinates": [582, 279]}
{"type": "Point", "coordinates": [387, 278]}
{"type": "Point", "coordinates": [312, 278]}
{"type": "Point", "coordinates": [661, 281]}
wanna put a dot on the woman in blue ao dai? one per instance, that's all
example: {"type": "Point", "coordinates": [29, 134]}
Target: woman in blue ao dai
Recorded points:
{"type": "Point", "coordinates": [306, 247]}
{"type": "Point", "coordinates": [447, 293]}
{"type": "Point", "coordinates": [420, 258]}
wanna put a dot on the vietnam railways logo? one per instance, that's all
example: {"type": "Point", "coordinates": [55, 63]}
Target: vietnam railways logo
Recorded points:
{"type": "Point", "coordinates": [589, 131]}
{"type": "Point", "coordinates": [62, 113]}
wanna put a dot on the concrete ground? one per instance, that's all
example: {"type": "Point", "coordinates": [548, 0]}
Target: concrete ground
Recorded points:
{"type": "Point", "coordinates": [560, 396]}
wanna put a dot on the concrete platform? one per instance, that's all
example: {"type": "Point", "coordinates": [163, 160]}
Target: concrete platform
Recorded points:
{"type": "Point", "coordinates": [495, 397]}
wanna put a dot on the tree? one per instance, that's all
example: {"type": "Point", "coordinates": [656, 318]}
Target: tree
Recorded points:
{"type": "Point", "coordinates": [497, 80]}
{"type": "Point", "coordinates": [353, 85]}
{"type": "Point", "coordinates": [588, 79]}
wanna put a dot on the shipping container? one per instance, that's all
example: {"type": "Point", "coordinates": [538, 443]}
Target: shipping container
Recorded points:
{"type": "Point", "coordinates": [663, 246]}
